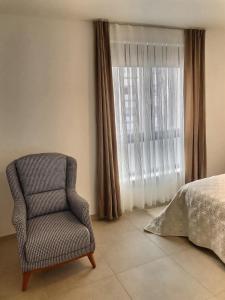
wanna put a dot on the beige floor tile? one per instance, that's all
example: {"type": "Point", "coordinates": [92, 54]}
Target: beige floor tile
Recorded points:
{"type": "Point", "coordinates": [204, 266]}
{"type": "Point", "coordinates": [122, 246]}
{"type": "Point", "coordinates": [134, 249]}
{"type": "Point", "coordinates": [9, 259]}
{"type": "Point", "coordinates": [220, 296]}
{"type": "Point", "coordinates": [76, 274]}
{"type": "Point", "coordinates": [10, 283]}
{"type": "Point", "coordinates": [169, 245]}
{"type": "Point", "coordinates": [10, 273]}
{"type": "Point", "coordinates": [139, 218]}
{"type": "Point", "coordinates": [106, 289]}
{"type": "Point", "coordinates": [111, 232]}
{"type": "Point", "coordinates": [29, 295]}
{"type": "Point", "coordinates": [162, 279]}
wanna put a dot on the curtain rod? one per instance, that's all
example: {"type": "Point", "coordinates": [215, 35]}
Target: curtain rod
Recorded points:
{"type": "Point", "coordinates": [151, 25]}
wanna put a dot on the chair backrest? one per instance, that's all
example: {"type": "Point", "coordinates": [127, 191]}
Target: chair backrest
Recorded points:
{"type": "Point", "coordinates": [44, 179]}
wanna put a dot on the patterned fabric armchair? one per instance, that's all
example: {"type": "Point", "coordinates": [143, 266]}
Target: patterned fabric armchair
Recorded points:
{"type": "Point", "coordinates": [52, 221]}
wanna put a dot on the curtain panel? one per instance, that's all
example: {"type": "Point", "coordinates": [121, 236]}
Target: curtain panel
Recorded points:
{"type": "Point", "coordinates": [194, 94]}
{"type": "Point", "coordinates": [108, 191]}
{"type": "Point", "coordinates": [147, 66]}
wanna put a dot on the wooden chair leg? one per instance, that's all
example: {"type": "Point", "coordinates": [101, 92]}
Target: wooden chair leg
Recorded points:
{"type": "Point", "coordinates": [92, 260]}
{"type": "Point", "coordinates": [26, 278]}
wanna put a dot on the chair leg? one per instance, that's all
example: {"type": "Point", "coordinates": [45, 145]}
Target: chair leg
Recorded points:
{"type": "Point", "coordinates": [92, 260]}
{"type": "Point", "coordinates": [26, 278]}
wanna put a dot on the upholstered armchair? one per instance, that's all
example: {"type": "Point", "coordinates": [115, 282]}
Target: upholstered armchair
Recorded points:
{"type": "Point", "coordinates": [52, 221]}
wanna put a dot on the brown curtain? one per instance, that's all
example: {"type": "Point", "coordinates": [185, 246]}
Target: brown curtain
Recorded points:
{"type": "Point", "coordinates": [108, 192]}
{"type": "Point", "coordinates": [194, 94]}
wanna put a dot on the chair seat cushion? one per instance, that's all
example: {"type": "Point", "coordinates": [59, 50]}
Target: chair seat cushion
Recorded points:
{"type": "Point", "coordinates": [53, 235]}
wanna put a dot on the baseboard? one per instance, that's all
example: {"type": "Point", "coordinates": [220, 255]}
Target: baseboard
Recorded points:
{"type": "Point", "coordinates": [7, 237]}
{"type": "Point", "coordinates": [94, 217]}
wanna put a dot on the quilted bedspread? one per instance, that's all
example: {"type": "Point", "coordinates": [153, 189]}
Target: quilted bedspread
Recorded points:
{"type": "Point", "coordinates": [198, 212]}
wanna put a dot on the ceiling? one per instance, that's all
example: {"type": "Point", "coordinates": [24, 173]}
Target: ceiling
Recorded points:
{"type": "Point", "coordinates": [180, 13]}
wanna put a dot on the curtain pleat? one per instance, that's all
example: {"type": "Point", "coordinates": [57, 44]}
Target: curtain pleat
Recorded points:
{"type": "Point", "coordinates": [108, 191]}
{"type": "Point", "coordinates": [194, 95]}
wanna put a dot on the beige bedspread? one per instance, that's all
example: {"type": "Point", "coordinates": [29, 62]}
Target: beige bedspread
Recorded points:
{"type": "Point", "coordinates": [198, 212]}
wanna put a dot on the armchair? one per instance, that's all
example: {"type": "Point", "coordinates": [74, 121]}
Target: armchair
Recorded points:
{"type": "Point", "coordinates": [52, 221]}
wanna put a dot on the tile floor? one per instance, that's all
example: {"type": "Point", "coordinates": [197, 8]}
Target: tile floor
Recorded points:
{"type": "Point", "coordinates": [131, 264]}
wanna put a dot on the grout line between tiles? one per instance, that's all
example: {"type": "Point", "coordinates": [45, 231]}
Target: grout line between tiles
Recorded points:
{"type": "Point", "coordinates": [182, 249]}
{"type": "Point", "coordinates": [115, 274]}
{"type": "Point", "coordinates": [79, 286]}
{"type": "Point", "coordinates": [192, 276]}
{"type": "Point", "coordinates": [139, 265]}
{"type": "Point", "coordinates": [123, 287]}
{"type": "Point", "coordinates": [166, 255]}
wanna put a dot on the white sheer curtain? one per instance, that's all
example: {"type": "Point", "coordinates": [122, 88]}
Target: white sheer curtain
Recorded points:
{"type": "Point", "coordinates": [147, 66]}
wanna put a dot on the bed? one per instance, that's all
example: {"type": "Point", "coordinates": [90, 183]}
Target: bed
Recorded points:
{"type": "Point", "coordinates": [197, 211]}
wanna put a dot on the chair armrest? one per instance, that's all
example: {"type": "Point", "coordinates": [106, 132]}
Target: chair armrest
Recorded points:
{"type": "Point", "coordinates": [20, 223]}
{"type": "Point", "coordinates": [80, 208]}
{"type": "Point", "coordinates": [19, 218]}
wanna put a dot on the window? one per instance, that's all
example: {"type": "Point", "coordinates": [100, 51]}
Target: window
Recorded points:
{"type": "Point", "coordinates": [148, 95]}
{"type": "Point", "coordinates": [130, 86]}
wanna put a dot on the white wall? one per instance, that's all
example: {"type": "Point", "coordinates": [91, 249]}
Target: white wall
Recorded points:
{"type": "Point", "coordinates": [215, 101]}
{"type": "Point", "coordinates": [46, 98]}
